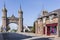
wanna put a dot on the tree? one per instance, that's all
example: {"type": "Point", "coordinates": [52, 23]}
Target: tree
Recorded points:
{"type": "Point", "coordinates": [7, 28]}
{"type": "Point", "coordinates": [2, 28]}
{"type": "Point", "coordinates": [13, 30]}
{"type": "Point", "coordinates": [33, 29]}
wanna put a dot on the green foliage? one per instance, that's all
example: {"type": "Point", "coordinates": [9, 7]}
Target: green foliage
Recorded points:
{"type": "Point", "coordinates": [8, 28]}
{"type": "Point", "coordinates": [33, 29]}
{"type": "Point", "coordinates": [1, 29]}
{"type": "Point", "coordinates": [26, 30]}
{"type": "Point", "coordinates": [13, 30]}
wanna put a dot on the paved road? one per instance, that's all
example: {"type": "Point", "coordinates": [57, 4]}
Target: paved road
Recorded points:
{"type": "Point", "coordinates": [1, 37]}
{"type": "Point", "coordinates": [16, 36]}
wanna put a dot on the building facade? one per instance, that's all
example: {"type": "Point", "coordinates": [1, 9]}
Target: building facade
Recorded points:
{"type": "Point", "coordinates": [48, 24]}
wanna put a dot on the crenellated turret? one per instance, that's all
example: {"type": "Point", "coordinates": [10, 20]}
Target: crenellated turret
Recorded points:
{"type": "Point", "coordinates": [4, 11]}
{"type": "Point", "coordinates": [4, 17]}
{"type": "Point", "coordinates": [20, 16]}
{"type": "Point", "coordinates": [20, 12]}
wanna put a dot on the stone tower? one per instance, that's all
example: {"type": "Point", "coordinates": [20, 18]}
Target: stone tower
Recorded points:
{"type": "Point", "coordinates": [4, 17]}
{"type": "Point", "coordinates": [20, 16]}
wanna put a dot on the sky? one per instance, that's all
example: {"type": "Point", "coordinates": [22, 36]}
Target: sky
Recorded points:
{"type": "Point", "coordinates": [31, 8]}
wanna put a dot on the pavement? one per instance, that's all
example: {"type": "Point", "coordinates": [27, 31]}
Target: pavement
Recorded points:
{"type": "Point", "coordinates": [24, 36]}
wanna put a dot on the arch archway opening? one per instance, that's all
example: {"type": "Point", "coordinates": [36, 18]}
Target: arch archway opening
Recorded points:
{"type": "Point", "coordinates": [13, 27]}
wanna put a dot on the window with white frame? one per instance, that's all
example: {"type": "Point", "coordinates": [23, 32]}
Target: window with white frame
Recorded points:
{"type": "Point", "coordinates": [51, 17]}
{"type": "Point", "coordinates": [44, 20]}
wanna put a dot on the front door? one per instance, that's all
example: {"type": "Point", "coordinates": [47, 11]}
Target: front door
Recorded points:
{"type": "Point", "coordinates": [48, 30]}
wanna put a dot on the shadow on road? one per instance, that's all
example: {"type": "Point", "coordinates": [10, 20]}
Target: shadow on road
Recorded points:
{"type": "Point", "coordinates": [42, 39]}
{"type": "Point", "coordinates": [14, 36]}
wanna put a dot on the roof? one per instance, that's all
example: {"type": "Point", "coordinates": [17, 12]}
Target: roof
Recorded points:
{"type": "Point", "coordinates": [51, 13]}
{"type": "Point", "coordinates": [58, 10]}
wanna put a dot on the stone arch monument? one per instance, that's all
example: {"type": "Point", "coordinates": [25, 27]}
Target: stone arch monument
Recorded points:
{"type": "Point", "coordinates": [18, 20]}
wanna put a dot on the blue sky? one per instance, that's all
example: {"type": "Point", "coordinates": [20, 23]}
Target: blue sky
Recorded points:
{"type": "Point", "coordinates": [31, 8]}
